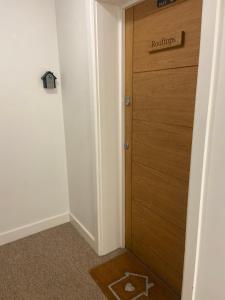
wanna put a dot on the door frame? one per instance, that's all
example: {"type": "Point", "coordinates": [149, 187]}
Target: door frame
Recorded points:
{"type": "Point", "coordinates": [103, 16]}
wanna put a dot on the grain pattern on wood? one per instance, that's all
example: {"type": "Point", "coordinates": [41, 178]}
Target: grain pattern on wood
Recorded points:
{"type": "Point", "coordinates": [163, 147]}
{"type": "Point", "coordinates": [166, 96]}
{"type": "Point", "coordinates": [164, 195]}
{"type": "Point", "coordinates": [159, 244]}
{"type": "Point", "coordinates": [159, 128]}
{"type": "Point", "coordinates": [183, 17]}
{"type": "Point", "coordinates": [128, 121]}
{"type": "Point", "coordinates": [162, 138]}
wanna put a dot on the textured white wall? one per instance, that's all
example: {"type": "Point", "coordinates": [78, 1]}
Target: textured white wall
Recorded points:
{"type": "Point", "coordinates": [33, 179]}
{"type": "Point", "coordinates": [73, 47]}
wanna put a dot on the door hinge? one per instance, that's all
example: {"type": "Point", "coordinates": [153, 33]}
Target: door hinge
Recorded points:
{"type": "Point", "coordinates": [126, 146]}
{"type": "Point", "coordinates": [128, 100]}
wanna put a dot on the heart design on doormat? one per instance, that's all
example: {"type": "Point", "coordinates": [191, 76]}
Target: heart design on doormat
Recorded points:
{"type": "Point", "coordinates": [129, 287]}
{"type": "Point", "coordinates": [137, 286]}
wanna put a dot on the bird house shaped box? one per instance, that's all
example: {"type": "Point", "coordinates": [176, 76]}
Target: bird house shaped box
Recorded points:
{"type": "Point", "coordinates": [49, 80]}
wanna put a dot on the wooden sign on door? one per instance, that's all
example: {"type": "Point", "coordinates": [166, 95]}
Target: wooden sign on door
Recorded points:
{"type": "Point", "coordinates": [166, 42]}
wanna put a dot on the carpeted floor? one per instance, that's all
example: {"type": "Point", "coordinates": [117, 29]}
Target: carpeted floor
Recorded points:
{"type": "Point", "coordinates": [51, 265]}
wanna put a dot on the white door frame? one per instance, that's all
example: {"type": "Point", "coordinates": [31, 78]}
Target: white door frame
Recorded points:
{"type": "Point", "coordinates": [107, 57]}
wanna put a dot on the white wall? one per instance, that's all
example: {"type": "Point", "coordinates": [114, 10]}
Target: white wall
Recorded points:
{"type": "Point", "coordinates": [210, 277]}
{"type": "Point", "coordinates": [73, 37]}
{"type": "Point", "coordinates": [109, 49]}
{"type": "Point", "coordinates": [204, 100]}
{"type": "Point", "coordinates": [33, 179]}
{"type": "Point", "coordinates": [92, 113]}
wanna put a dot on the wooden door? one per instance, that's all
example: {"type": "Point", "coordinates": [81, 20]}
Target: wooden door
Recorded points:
{"type": "Point", "coordinates": [159, 124]}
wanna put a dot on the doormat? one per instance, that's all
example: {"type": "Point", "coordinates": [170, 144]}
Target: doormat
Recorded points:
{"type": "Point", "coordinates": [126, 278]}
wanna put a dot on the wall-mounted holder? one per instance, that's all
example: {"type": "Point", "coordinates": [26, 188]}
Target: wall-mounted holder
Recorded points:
{"type": "Point", "coordinates": [49, 80]}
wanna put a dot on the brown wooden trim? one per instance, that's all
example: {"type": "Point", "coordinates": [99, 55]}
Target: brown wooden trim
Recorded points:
{"type": "Point", "coordinates": [129, 24]}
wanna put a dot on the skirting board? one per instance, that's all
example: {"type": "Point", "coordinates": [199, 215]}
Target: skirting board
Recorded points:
{"type": "Point", "coordinates": [84, 232]}
{"type": "Point", "coordinates": [30, 229]}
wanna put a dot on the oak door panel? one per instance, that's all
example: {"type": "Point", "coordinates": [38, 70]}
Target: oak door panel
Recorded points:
{"type": "Point", "coordinates": [163, 147]}
{"type": "Point", "coordinates": [159, 244]}
{"type": "Point", "coordinates": [164, 195]}
{"type": "Point", "coordinates": [159, 125]}
{"type": "Point", "coordinates": [166, 96]}
{"type": "Point", "coordinates": [147, 27]}
{"type": "Point", "coordinates": [163, 111]}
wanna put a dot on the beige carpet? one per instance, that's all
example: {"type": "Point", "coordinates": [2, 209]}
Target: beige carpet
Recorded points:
{"type": "Point", "coordinates": [53, 264]}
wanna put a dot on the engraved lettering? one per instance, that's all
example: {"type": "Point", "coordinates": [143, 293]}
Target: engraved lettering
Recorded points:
{"type": "Point", "coordinates": [154, 44]}
{"type": "Point", "coordinates": [163, 42]}
{"type": "Point", "coordinates": [174, 40]}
